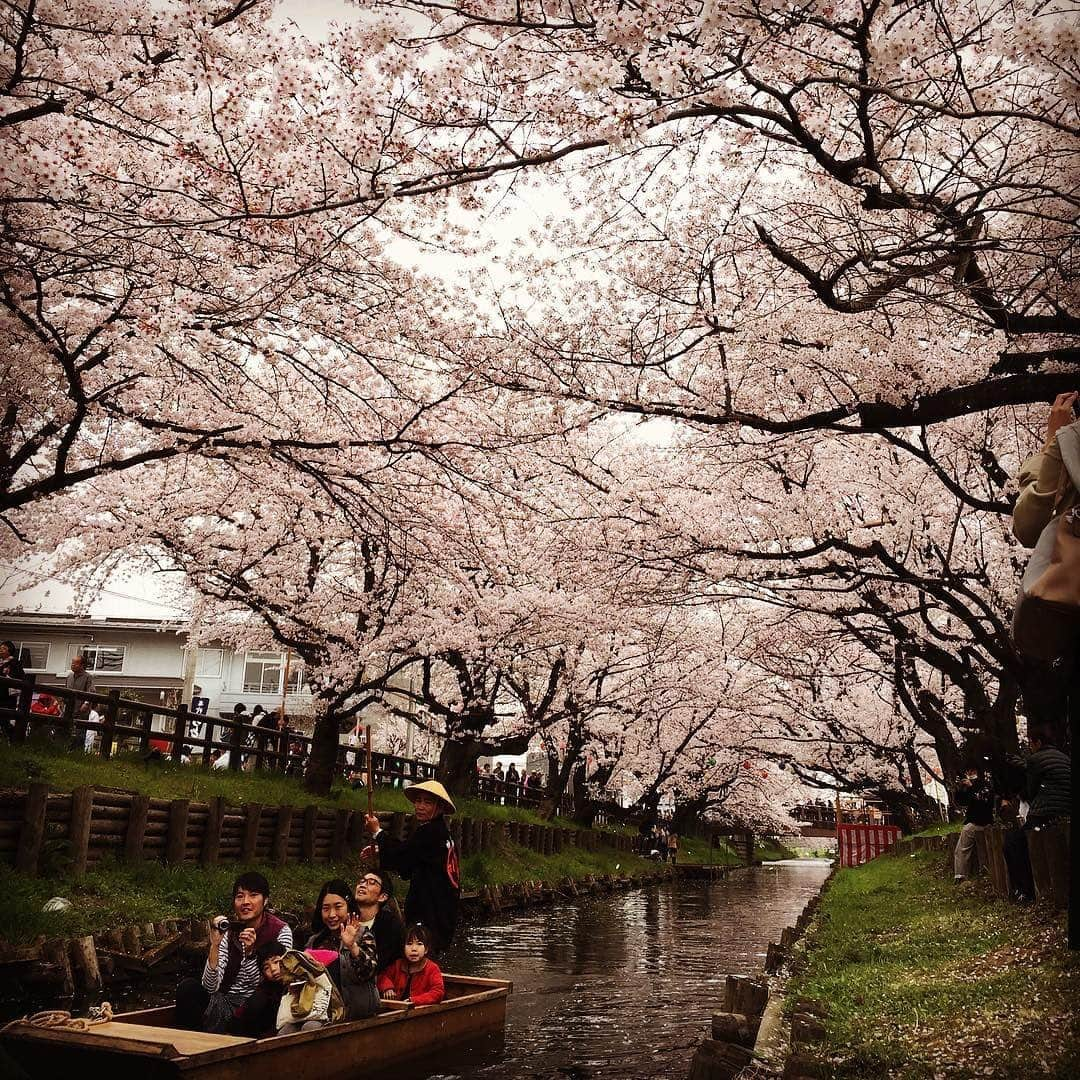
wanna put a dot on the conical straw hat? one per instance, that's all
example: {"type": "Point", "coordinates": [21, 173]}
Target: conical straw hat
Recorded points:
{"type": "Point", "coordinates": [432, 787]}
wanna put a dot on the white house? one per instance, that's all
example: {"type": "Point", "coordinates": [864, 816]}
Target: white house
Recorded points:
{"type": "Point", "coordinates": [149, 660]}
{"type": "Point", "coordinates": [134, 639]}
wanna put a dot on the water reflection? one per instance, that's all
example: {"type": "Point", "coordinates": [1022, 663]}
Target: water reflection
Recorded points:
{"type": "Point", "coordinates": [621, 985]}
{"type": "Point", "coordinates": [618, 986]}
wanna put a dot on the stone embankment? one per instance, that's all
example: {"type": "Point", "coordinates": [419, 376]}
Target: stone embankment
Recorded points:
{"type": "Point", "coordinates": [745, 1034]}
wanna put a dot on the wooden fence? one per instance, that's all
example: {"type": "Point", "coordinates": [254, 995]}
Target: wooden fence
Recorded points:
{"type": "Point", "coordinates": [91, 824]}
{"type": "Point", "coordinates": [130, 724]}
{"type": "Point", "coordinates": [1048, 848]}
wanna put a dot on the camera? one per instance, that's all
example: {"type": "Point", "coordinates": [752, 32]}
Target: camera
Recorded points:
{"type": "Point", "coordinates": [221, 924]}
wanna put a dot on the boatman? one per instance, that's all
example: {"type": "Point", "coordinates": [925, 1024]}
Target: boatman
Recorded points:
{"type": "Point", "coordinates": [428, 859]}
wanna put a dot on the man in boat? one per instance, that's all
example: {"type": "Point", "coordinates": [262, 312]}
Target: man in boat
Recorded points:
{"type": "Point", "coordinates": [225, 1000]}
{"type": "Point", "coordinates": [428, 859]}
{"type": "Point", "coordinates": [374, 892]}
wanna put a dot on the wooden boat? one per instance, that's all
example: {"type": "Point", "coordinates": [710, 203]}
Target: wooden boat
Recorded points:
{"type": "Point", "coordinates": [145, 1046]}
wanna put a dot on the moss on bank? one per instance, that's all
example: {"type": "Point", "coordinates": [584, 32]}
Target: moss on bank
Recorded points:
{"type": "Point", "coordinates": [118, 894]}
{"type": "Point", "coordinates": [927, 981]}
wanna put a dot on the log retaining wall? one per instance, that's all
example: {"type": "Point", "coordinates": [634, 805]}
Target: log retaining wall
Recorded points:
{"type": "Point", "coordinates": [92, 824]}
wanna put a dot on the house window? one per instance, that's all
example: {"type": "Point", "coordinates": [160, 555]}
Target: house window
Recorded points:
{"type": "Point", "coordinates": [263, 673]}
{"type": "Point", "coordinates": [104, 658]}
{"type": "Point", "coordinates": [33, 655]}
{"type": "Point", "coordinates": [208, 663]}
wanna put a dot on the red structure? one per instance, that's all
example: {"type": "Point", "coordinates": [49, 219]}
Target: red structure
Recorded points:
{"type": "Point", "coordinates": [860, 843]}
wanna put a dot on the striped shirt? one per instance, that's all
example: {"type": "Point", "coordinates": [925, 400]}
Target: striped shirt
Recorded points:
{"type": "Point", "coordinates": [249, 975]}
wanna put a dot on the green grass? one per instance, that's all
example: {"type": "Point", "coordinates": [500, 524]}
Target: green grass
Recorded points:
{"type": "Point", "coordinates": [511, 863]}
{"type": "Point", "coordinates": [940, 828]}
{"type": "Point", "coordinates": [41, 760]}
{"type": "Point", "coordinates": [769, 849]}
{"type": "Point", "coordinates": [695, 850]}
{"type": "Point", "coordinates": [117, 894]}
{"type": "Point", "coordinates": [120, 895]}
{"type": "Point", "coordinates": [926, 981]}
{"type": "Point", "coordinates": [114, 894]}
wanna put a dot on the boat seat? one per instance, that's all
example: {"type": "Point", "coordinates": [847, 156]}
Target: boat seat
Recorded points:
{"type": "Point", "coordinates": [185, 1042]}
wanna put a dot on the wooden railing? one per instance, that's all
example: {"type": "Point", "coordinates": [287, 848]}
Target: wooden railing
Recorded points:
{"type": "Point", "coordinates": [132, 723]}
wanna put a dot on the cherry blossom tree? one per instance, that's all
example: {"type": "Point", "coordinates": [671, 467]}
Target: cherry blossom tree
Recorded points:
{"type": "Point", "coordinates": [861, 166]}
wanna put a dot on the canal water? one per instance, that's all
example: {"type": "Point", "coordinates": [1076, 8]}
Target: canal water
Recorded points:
{"type": "Point", "coordinates": [621, 985]}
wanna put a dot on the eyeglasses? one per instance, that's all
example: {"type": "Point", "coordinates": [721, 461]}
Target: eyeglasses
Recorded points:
{"type": "Point", "coordinates": [370, 881]}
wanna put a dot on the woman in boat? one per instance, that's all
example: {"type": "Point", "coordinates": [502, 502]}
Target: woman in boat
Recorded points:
{"type": "Point", "coordinates": [428, 859]}
{"type": "Point", "coordinates": [338, 928]}
{"type": "Point", "coordinates": [221, 1001]}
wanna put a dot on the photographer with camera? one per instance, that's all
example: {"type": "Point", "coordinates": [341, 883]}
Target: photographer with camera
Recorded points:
{"type": "Point", "coordinates": [976, 794]}
{"type": "Point", "coordinates": [224, 1001]}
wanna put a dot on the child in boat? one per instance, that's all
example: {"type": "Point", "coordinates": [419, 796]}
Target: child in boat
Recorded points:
{"type": "Point", "coordinates": [415, 977]}
{"type": "Point", "coordinates": [310, 1000]}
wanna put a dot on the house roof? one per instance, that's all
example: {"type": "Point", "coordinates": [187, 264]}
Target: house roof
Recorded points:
{"type": "Point", "coordinates": [85, 622]}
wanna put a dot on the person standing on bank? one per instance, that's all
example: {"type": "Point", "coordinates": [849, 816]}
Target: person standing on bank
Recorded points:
{"type": "Point", "coordinates": [1046, 625]}
{"type": "Point", "coordinates": [10, 668]}
{"type": "Point", "coordinates": [428, 859]}
{"type": "Point", "coordinates": [974, 793]}
{"type": "Point", "coordinates": [81, 681]}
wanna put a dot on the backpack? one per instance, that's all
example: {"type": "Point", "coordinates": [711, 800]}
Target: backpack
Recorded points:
{"type": "Point", "coordinates": [1046, 622]}
{"type": "Point", "coordinates": [307, 971]}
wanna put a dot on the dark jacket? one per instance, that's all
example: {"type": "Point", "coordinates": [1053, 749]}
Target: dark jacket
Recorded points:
{"type": "Point", "coordinates": [429, 860]}
{"type": "Point", "coordinates": [979, 800]}
{"type": "Point", "coordinates": [1049, 784]}
{"type": "Point", "coordinates": [389, 933]}
{"type": "Point", "coordinates": [10, 669]}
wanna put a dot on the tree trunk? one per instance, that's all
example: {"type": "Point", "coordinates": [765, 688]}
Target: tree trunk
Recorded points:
{"type": "Point", "coordinates": [559, 778]}
{"type": "Point", "coordinates": [687, 816]}
{"type": "Point", "coordinates": [584, 810]}
{"type": "Point", "coordinates": [322, 764]}
{"type": "Point", "coordinates": [457, 763]}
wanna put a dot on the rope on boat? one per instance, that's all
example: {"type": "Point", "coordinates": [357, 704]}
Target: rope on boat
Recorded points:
{"type": "Point", "coordinates": [62, 1019]}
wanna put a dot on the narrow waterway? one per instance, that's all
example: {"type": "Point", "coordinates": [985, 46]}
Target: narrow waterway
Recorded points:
{"type": "Point", "coordinates": [621, 985]}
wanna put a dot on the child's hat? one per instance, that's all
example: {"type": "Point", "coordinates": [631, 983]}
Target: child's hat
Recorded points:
{"type": "Point", "coordinates": [432, 787]}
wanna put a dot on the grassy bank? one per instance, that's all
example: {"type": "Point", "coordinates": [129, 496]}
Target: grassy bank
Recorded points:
{"type": "Point", "coordinates": [118, 894]}
{"type": "Point", "coordinates": [43, 761]}
{"type": "Point", "coordinates": [115, 894]}
{"type": "Point", "coordinates": [925, 981]}
{"type": "Point", "coordinates": [696, 850]}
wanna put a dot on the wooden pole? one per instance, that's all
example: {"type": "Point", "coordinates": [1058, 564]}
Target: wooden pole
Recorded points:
{"type": "Point", "coordinates": [285, 681]}
{"type": "Point", "coordinates": [82, 809]}
{"type": "Point", "coordinates": [370, 773]}
{"type": "Point", "coordinates": [839, 849]}
{"type": "Point", "coordinates": [136, 828]}
{"type": "Point", "coordinates": [32, 834]}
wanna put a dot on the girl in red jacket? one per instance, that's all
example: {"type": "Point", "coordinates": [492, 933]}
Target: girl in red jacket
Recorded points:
{"type": "Point", "coordinates": [414, 978]}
